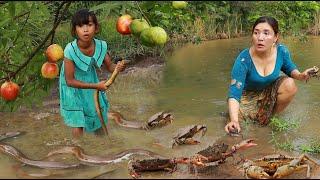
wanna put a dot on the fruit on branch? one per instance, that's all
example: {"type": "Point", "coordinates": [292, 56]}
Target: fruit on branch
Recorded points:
{"type": "Point", "coordinates": [9, 90]}
{"type": "Point", "coordinates": [179, 4]}
{"type": "Point", "coordinates": [146, 38]}
{"type": "Point", "coordinates": [153, 36]}
{"type": "Point", "coordinates": [123, 24]}
{"type": "Point", "coordinates": [49, 70]}
{"type": "Point", "coordinates": [54, 53]}
{"type": "Point", "coordinates": [137, 26]}
{"type": "Point", "coordinates": [158, 35]}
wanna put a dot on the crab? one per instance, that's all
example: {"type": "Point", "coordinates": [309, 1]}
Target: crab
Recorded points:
{"type": "Point", "coordinates": [276, 166]}
{"type": "Point", "coordinates": [217, 153]}
{"type": "Point", "coordinates": [136, 166]}
{"type": "Point", "coordinates": [159, 119]}
{"type": "Point", "coordinates": [314, 72]}
{"type": "Point", "coordinates": [185, 135]}
{"type": "Point", "coordinates": [234, 132]}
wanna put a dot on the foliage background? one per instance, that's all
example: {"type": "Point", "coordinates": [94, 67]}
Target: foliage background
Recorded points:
{"type": "Point", "coordinates": [28, 28]}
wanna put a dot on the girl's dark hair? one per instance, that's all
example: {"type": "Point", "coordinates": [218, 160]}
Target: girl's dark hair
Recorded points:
{"type": "Point", "coordinates": [80, 18]}
{"type": "Point", "coordinates": [270, 20]}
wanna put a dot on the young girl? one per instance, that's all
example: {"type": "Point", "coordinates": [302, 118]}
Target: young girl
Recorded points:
{"type": "Point", "coordinates": [78, 77]}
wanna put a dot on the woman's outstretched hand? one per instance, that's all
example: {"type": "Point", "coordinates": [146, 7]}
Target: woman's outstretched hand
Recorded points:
{"type": "Point", "coordinates": [308, 73]}
{"type": "Point", "coordinates": [232, 126]}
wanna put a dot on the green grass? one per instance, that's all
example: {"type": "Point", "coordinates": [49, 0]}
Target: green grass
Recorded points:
{"type": "Point", "coordinates": [280, 125]}
{"type": "Point", "coordinates": [313, 147]}
{"type": "Point", "coordinates": [287, 145]}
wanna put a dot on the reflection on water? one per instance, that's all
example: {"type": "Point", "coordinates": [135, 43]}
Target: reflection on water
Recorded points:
{"type": "Point", "coordinates": [193, 85]}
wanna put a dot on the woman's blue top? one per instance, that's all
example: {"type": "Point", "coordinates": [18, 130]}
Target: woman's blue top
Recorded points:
{"type": "Point", "coordinates": [244, 75]}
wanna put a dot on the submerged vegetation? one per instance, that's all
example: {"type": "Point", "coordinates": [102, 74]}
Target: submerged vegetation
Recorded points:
{"type": "Point", "coordinates": [313, 147]}
{"type": "Point", "coordinates": [281, 127]}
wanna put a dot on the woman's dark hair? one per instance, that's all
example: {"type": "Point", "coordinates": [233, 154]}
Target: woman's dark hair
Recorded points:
{"type": "Point", "coordinates": [80, 18]}
{"type": "Point", "coordinates": [267, 19]}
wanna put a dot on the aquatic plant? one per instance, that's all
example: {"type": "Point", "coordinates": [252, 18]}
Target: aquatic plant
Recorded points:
{"type": "Point", "coordinates": [280, 125]}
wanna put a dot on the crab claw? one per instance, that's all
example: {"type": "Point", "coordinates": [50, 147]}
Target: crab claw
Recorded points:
{"type": "Point", "coordinates": [234, 132]}
{"type": "Point", "coordinates": [191, 141]}
{"type": "Point", "coordinates": [203, 128]}
{"type": "Point", "coordinates": [131, 170]}
{"type": "Point", "coordinates": [134, 175]}
{"type": "Point", "coordinates": [313, 72]}
{"type": "Point", "coordinates": [256, 172]}
{"type": "Point", "coordinates": [198, 160]}
{"type": "Point", "coordinates": [182, 160]}
{"type": "Point", "coordinates": [174, 144]}
{"type": "Point", "coordinates": [244, 145]}
{"type": "Point", "coordinates": [168, 116]}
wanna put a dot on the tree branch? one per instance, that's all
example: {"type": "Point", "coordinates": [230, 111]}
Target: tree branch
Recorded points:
{"type": "Point", "coordinates": [56, 18]}
{"type": "Point", "coordinates": [20, 15]}
{"type": "Point", "coordinates": [34, 52]}
{"type": "Point", "coordinates": [19, 33]}
{"type": "Point", "coordinates": [143, 15]}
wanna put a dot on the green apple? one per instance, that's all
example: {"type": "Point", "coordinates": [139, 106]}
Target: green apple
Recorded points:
{"type": "Point", "coordinates": [179, 4]}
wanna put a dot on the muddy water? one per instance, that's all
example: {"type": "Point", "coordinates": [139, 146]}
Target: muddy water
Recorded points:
{"type": "Point", "coordinates": [193, 85]}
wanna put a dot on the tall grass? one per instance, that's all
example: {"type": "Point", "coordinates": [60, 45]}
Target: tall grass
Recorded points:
{"type": "Point", "coordinates": [316, 28]}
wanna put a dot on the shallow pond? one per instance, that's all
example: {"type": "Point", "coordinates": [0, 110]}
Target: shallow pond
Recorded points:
{"type": "Point", "coordinates": [193, 85]}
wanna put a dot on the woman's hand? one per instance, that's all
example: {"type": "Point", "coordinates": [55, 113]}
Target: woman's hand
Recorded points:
{"type": "Point", "coordinates": [305, 75]}
{"type": "Point", "coordinates": [232, 125]}
{"type": "Point", "coordinates": [101, 86]}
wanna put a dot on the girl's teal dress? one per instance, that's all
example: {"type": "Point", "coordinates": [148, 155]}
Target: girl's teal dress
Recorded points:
{"type": "Point", "coordinates": [77, 105]}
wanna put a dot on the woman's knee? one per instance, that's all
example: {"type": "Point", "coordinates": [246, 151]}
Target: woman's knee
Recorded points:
{"type": "Point", "coordinates": [288, 86]}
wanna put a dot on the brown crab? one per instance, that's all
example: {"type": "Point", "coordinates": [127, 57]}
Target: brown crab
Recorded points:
{"type": "Point", "coordinates": [314, 72]}
{"type": "Point", "coordinates": [159, 119]}
{"type": "Point", "coordinates": [185, 136]}
{"type": "Point", "coordinates": [276, 166]}
{"type": "Point", "coordinates": [136, 166]}
{"type": "Point", "coordinates": [218, 152]}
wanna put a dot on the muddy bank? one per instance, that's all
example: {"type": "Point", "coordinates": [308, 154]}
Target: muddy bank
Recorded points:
{"type": "Point", "coordinates": [144, 62]}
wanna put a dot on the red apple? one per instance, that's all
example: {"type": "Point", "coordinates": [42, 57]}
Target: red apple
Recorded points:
{"type": "Point", "coordinates": [49, 70]}
{"type": "Point", "coordinates": [123, 24]}
{"type": "Point", "coordinates": [54, 53]}
{"type": "Point", "coordinates": [9, 90]}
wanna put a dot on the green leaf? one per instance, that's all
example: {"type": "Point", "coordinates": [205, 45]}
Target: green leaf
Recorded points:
{"type": "Point", "coordinates": [12, 8]}
{"type": "Point", "coordinates": [4, 42]}
{"type": "Point", "coordinates": [4, 22]}
{"type": "Point", "coordinates": [105, 6]}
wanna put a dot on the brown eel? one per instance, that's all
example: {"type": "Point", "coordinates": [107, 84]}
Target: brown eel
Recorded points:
{"type": "Point", "coordinates": [78, 152]}
{"type": "Point", "coordinates": [15, 153]}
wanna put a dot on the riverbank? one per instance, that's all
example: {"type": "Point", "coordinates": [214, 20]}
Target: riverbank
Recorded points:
{"type": "Point", "coordinates": [50, 103]}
